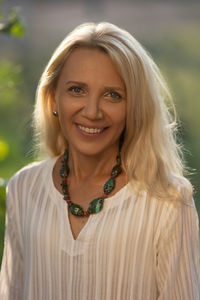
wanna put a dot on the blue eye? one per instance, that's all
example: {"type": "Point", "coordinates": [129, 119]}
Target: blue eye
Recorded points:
{"type": "Point", "coordinates": [115, 95]}
{"type": "Point", "coordinates": [75, 89]}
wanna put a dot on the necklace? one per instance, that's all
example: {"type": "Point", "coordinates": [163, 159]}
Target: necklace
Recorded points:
{"type": "Point", "coordinates": [95, 205]}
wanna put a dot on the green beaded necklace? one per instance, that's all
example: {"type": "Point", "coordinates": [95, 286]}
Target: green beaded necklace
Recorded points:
{"type": "Point", "coordinates": [95, 205]}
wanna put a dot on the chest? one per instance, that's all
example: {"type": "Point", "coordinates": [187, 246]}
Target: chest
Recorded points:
{"type": "Point", "coordinates": [113, 248]}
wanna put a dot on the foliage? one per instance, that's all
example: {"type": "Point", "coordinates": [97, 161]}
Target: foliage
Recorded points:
{"type": "Point", "coordinates": [4, 149]}
{"type": "Point", "coordinates": [15, 114]}
{"type": "Point", "coordinates": [13, 25]}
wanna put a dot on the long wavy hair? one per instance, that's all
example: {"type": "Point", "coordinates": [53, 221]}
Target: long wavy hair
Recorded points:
{"type": "Point", "coordinates": [151, 156]}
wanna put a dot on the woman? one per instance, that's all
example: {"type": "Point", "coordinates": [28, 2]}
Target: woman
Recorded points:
{"type": "Point", "coordinates": [110, 215]}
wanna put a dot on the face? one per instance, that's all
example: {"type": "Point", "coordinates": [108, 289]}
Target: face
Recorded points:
{"type": "Point", "coordinates": [90, 99]}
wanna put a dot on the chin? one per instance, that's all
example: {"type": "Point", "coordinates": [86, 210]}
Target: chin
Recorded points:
{"type": "Point", "coordinates": [94, 150]}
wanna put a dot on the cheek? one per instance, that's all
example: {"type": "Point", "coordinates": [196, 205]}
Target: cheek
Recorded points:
{"type": "Point", "coordinates": [67, 107]}
{"type": "Point", "coordinates": [120, 115]}
{"type": "Point", "coordinates": [65, 112]}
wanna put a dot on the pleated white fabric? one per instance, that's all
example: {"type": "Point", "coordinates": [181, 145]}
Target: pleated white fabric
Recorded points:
{"type": "Point", "coordinates": [135, 248]}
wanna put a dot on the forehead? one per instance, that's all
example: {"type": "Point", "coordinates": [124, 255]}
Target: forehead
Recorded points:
{"type": "Point", "coordinates": [87, 54]}
{"type": "Point", "coordinates": [86, 62]}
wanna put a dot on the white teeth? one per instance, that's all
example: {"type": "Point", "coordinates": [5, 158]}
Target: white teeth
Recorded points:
{"type": "Point", "coordinates": [90, 130]}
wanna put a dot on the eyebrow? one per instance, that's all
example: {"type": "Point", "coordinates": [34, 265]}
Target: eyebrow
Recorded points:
{"type": "Point", "coordinates": [85, 85]}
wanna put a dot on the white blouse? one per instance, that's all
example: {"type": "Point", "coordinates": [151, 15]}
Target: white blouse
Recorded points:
{"type": "Point", "coordinates": [134, 249]}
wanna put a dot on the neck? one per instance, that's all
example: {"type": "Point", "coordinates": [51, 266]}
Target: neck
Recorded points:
{"type": "Point", "coordinates": [85, 166]}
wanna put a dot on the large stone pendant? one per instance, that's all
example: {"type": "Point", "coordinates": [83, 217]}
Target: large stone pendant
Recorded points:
{"type": "Point", "coordinates": [95, 206]}
{"type": "Point", "coordinates": [109, 186]}
{"type": "Point", "coordinates": [76, 210]}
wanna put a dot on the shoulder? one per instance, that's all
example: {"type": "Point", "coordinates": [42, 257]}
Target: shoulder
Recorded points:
{"type": "Point", "coordinates": [178, 190]}
{"type": "Point", "coordinates": [174, 215]}
{"type": "Point", "coordinates": [30, 175]}
{"type": "Point", "coordinates": [181, 200]}
{"type": "Point", "coordinates": [184, 189]}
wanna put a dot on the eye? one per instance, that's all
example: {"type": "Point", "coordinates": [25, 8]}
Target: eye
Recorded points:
{"type": "Point", "coordinates": [113, 95]}
{"type": "Point", "coordinates": [75, 90]}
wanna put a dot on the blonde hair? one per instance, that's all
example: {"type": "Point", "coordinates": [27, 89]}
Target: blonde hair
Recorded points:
{"type": "Point", "coordinates": [150, 154]}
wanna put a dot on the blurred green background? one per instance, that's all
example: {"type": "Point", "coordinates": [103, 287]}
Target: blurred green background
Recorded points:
{"type": "Point", "coordinates": [168, 30]}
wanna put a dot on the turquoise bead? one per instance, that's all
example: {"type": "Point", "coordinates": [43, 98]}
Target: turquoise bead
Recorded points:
{"type": "Point", "coordinates": [116, 171]}
{"type": "Point", "coordinates": [109, 186]}
{"type": "Point", "coordinates": [76, 210]}
{"type": "Point", "coordinates": [95, 206]}
{"type": "Point", "coordinates": [66, 155]}
{"type": "Point", "coordinates": [64, 171]}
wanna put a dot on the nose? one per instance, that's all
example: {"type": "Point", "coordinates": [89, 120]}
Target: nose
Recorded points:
{"type": "Point", "coordinates": [92, 108]}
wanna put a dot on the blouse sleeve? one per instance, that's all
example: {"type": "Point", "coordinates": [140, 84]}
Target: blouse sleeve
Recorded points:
{"type": "Point", "coordinates": [11, 276]}
{"type": "Point", "coordinates": [178, 255]}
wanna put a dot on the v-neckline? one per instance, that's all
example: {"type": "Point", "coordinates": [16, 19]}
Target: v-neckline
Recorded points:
{"type": "Point", "coordinates": [81, 232]}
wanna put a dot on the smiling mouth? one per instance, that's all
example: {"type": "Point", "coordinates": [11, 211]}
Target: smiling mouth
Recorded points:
{"type": "Point", "coordinates": [91, 130]}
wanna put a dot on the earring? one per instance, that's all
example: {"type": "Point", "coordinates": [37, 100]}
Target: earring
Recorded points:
{"type": "Point", "coordinates": [55, 113]}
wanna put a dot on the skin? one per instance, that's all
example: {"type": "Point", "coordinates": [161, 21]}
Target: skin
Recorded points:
{"type": "Point", "coordinates": [90, 99]}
